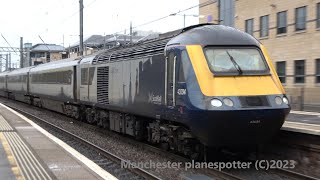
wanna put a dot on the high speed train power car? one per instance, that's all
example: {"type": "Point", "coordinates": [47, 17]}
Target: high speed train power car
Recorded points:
{"type": "Point", "coordinates": [202, 86]}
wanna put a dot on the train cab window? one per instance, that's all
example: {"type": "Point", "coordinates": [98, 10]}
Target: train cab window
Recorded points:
{"type": "Point", "coordinates": [235, 61]}
{"type": "Point", "coordinates": [84, 76]}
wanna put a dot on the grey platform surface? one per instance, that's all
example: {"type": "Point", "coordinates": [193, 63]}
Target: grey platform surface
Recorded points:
{"type": "Point", "coordinates": [5, 167]}
{"type": "Point", "coordinates": [55, 160]}
{"type": "Point", "coordinates": [304, 118]}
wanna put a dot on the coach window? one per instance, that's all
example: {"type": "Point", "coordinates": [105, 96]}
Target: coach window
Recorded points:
{"type": "Point", "coordinates": [84, 76]}
{"type": "Point", "coordinates": [24, 78]}
{"type": "Point", "coordinates": [67, 77]}
{"type": "Point", "coordinates": [281, 70]}
{"type": "Point", "coordinates": [60, 77]}
{"type": "Point", "coordinates": [299, 71]}
{"type": "Point", "coordinates": [249, 26]}
{"type": "Point", "coordinates": [264, 26]}
{"type": "Point", "coordinates": [301, 18]}
{"type": "Point", "coordinates": [282, 22]}
{"type": "Point", "coordinates": [44, 78]}
{"type": "Point", "coordinates": [318, 70]}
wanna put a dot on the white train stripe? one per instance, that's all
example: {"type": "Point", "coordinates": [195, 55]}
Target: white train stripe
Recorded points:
{"type": "Point", "coordinates": [302, 124]}
{"type": "Point", "coordinates": [306, 113]}
{"type": "Point", "coordinates": [90, 164]}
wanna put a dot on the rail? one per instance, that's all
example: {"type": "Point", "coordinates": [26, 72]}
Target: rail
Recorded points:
{"type": "Point", "coordinates": [141, 172]}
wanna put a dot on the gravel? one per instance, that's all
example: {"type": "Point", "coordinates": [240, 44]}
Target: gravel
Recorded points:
{"type": "Point", "coordinates": [126, 148]}
{"type": "Point", "coordinates": [112, 142]}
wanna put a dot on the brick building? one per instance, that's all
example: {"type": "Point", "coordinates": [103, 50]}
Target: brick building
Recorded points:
{"type": "Point", "coordinates": [291, 32]}
{"type": "Point", "coordinates": [43, 53]}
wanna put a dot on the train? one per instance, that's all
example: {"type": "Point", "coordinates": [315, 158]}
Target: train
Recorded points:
{"type": "Point", "coordinates": [202, 86]}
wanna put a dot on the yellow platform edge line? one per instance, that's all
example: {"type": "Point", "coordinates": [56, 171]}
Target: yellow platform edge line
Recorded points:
{"type": "Point", "coordinates": [14, 165]}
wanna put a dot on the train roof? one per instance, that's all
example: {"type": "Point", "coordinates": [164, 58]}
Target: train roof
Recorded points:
{"type": "Point", "coordinates": [87, 59]}
{"type": "Point", "coordinates": [148, 47]}
{"type": "Point", "coordinates": [201, 34]}
{"type": "Point", "coordinates": [214, 35]}
{"type": "Point", "coordinates": [4, 73]}
{"type": "Point", "coordinates": [56, 64]}
{"type": "Point", "coordinates": [24, 70]}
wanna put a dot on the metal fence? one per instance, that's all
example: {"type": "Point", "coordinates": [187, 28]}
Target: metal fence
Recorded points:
{"type": "Point", "coordinates": [304, 99]}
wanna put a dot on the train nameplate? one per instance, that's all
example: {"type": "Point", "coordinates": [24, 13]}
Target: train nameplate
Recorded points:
{"type": "Point", "coordinates": [182, 92]}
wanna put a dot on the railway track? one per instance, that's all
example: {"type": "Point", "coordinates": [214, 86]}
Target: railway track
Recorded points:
{"type": "Point", "coordinates": [139, 171]}
{"type": "Point", "coordinates": [147, 175]}
{"type": "Point", "coordinates": [104, 153]}
{"type": "Point", "coordinates": [294, 175]}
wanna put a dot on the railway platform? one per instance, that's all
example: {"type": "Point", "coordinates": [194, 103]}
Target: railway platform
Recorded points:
{"type": "Point", "coordinates": [29, 152]}
{"type": "Point", "coordinates": [303, 122]}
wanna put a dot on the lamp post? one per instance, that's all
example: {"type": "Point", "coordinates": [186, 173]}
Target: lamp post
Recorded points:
{"type": "Point", "coordinates": [184, 17]}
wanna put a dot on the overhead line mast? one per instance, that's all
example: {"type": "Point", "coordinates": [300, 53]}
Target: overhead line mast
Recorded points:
{"type": "Point", "coordinates": [81, 28]}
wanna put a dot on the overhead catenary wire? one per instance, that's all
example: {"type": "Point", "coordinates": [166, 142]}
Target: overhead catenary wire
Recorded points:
{"type": "Point", "coordinates": [9, 44]}
{"type": "Point", "coordinates": [44, 43]}
{"type": "Point", "coordinates": [201, 5]}
{"type": "Point", "coordinates": [204, 4]}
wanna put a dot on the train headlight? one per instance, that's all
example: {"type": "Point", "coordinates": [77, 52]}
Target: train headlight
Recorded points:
{"type": "Point", "coordinates": [228, 102]}
{"type": "Point", "coordinates": [285, 100]}
{"type": "Point", "coordinates": [278, 100]}
{"type": "Point", "coordinates": [216, 103]}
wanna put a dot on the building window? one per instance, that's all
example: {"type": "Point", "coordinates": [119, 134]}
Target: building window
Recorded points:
{"type": "Point", "coordinates": [299, 71]}
{"type": "Point", "coordinates": [282, 22]}
{"type": "Point", "coordinates": [264, 26]}
{"type": "Point", "coordinates": [318, 70]}
{"type": "Point", "coordinates": [281, 70]}
{"type": "Point", "coordinates": [318, 15]}
{"type": "Point", "coordinates": [301, 18]}
{"type": "Point", "coordinates": [249, 26]}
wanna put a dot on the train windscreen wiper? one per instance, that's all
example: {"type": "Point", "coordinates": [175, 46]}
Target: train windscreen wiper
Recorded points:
{"type": "Point", "coordinates": [236, 65]}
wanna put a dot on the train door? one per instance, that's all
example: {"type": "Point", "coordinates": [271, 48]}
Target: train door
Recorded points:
{"type": "Point", "coordinates": [170, 79]}
{"type": "Point", "coordinates": [87, 74]}
{"type": "Point", "coordinates": [75, 92]}
{"type": "Point", "coordinates": [28, 82]}
{"type": "Point", "coordinates": [84, 88]}
{"type": "Point", "coordinates": [6, 83]}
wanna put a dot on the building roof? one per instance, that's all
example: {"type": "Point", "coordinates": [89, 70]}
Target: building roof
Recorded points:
{"type": "Point", "coordinates": [93, 40]}
{"type": "Point", "coordinates": [99, 40]}
{"type": "Point", "coordinates": [123, 37]}
{"type": "Point", "coordinates": [47, 47]}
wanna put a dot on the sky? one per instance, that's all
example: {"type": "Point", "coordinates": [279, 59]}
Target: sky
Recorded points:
{"type": "Point", "coordinates": [57, 21]}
